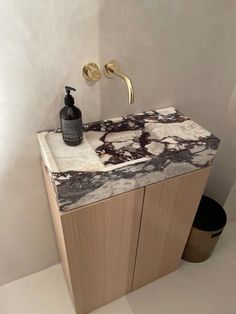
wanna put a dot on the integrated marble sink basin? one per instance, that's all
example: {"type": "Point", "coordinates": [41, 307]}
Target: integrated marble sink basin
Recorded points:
{"type": "Point", "coordinates": [120, 154]}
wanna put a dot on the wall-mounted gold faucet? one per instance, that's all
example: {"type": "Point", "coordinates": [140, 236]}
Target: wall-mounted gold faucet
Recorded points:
{"type": "Point", "coordinates": [91, 72]}
{"type": "Point", "coordinates": [111, 69]}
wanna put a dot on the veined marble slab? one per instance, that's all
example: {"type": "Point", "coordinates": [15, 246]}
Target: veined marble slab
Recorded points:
{"type": "Point", "coordinates": [121, 154]}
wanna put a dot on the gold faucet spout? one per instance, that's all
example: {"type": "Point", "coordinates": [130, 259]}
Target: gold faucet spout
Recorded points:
{"type": "Point", "coordinates": [111, 69]}
{"type": "Point", "coordinates": [129, 86]}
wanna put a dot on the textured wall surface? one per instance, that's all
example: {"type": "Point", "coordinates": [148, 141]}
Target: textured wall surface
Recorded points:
{"type": "Point", "coordinates": [179, 53]}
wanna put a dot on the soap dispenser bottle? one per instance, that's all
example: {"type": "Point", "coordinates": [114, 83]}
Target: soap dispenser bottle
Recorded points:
{"type": "Point", "coordinates": [71, 120]}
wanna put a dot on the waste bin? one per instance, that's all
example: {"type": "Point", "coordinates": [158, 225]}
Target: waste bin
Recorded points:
{"type": "Point", "coordinates": [207, 227]}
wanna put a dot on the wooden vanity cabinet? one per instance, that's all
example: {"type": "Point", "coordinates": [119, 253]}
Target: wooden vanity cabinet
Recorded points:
{"type": "Point", "coordinates": [97, 245]}
{"type": "Point", "coordinates": [114, 246]}
{"type": "Point", "coordinates": [168, 211]}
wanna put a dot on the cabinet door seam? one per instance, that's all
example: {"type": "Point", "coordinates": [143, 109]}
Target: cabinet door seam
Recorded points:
{"type": "Point", "coordinates": [139, 231]}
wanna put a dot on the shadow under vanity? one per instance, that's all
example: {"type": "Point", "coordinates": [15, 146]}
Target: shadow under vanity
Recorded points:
{"type": "Point", "coordinates": [123, 201]}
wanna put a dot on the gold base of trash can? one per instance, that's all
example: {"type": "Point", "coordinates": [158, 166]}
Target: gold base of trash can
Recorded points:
{"type": "Point", "coordinates": [200, 245]}
{"type": "Point", "coordinates": [207, 227]}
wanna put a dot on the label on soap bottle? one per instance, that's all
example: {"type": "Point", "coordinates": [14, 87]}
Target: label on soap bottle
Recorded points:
{"type": "Point", "coordinates": [72, 130]}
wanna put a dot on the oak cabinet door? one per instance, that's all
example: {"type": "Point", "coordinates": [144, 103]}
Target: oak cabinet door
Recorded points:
{"type": "Point", "coordinates": [168, 212]}
{"type": "Point", "coordinates": [101, 242]}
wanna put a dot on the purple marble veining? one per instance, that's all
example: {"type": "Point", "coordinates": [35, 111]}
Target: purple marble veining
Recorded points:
{"type": "Point", "coordinates": [172, 143]}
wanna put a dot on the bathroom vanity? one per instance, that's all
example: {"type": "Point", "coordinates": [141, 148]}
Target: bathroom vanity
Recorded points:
{"type": "Point", "coordinates": [123, 202]}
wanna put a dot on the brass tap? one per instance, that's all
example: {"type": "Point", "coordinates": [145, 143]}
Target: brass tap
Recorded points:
{"type": "Point", "coordinates": [91, 72]}
{"type": "Point", "coordinates": [111, 69]}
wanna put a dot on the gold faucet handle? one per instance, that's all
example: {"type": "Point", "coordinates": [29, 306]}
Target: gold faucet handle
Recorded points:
{"type": "Point", "coordinates": [91, 72]}
{"type": "Point", "coordinates": [111, 68]}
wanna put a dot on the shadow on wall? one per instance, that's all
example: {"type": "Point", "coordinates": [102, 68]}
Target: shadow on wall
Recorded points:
{"type": "Point", "coordinates": [24, 219]}
{"type": "Point", "coordinates": [222, 183]}
{"type": "Point", "coordinates": [230, 204]}
{"type": "Point", "coordinates": [127, 33]}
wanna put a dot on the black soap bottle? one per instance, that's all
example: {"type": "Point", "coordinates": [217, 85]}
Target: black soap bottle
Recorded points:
{"type": "Point", "coordinates": [71, 120]}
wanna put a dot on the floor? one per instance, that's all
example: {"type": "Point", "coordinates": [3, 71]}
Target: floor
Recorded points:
{"type": "Point", "coordinates": [206, 288]}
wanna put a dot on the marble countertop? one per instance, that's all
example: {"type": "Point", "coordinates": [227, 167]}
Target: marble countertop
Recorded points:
{"type": "Point", "coordinates": [121, 154]}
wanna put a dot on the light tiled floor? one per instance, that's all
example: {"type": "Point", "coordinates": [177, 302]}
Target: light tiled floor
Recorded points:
{"type": "Point", "coordinates": [207, 288]}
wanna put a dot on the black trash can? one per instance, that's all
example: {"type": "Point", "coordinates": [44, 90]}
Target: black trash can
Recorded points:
{"type": "Point", "coordinates": [207, 227]}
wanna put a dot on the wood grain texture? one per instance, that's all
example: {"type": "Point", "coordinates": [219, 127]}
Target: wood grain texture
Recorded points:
{"type": "Point", "coordinates": [56, 219]}
{"type": "Point", "coordinates": [168, 212]}
{"type": "Point", "coordinates": [101, 241]}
